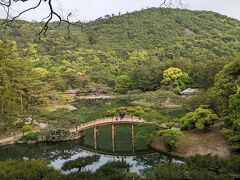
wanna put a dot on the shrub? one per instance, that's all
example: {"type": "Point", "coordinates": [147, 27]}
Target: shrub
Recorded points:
{"type": "Point", "coordinates": [62, 98]}
{"type": "Point", "coordinates": [171, 138]}
{"type": "Point", "coordinates": [139, 113]}
{"type": "Point", "coordinates": [111, 113]}
{"type": "Point", "coordinates": [113, 169]}
{"type": "Point", "coordinates": [147, 109]}
{"type": "Point", "coordinates": [123, 84]}
{"type": "Point", "coordinates": [121, 109]}
{"type": "Point", "coordinates": [131, 109]}
{"type": "Point", "coordinates": [201, 118]}
{"type": "Point", "coordinates": [31, 169]}
{"type": "Point", "coordinates": [54, 134]}
{"type": "Point", "coordinates": [19, 124]}
{"type": "Point", "coordinates": [26, 128]}
{"type": "Point", "coordinates": [31, 136]}
{"type": "Point", "coordinates": [80, 162]}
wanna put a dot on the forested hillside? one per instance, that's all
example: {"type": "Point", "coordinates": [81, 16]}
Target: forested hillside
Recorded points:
{"type": "Point", "coordinates": [170, 34]}
{"type": "Point", "coordinates": [104, 49]}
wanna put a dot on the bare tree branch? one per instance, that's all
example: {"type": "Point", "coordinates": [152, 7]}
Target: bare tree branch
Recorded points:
{"type": "Point", "coordinates": [6, 4]}
{"type": "Point", "coordinates": [15, 17]}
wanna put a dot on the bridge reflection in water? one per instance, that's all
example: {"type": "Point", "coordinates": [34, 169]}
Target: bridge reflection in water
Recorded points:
{"type": "Point", "coordinates": [102, 132]}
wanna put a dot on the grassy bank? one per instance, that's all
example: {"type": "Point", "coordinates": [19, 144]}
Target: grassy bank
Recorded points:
{"type": "Point", "coordinates": [197, 142]}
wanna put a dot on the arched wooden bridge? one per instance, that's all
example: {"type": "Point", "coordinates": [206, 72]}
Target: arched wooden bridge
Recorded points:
{"type": "Point", "coordinates": [109, 121]}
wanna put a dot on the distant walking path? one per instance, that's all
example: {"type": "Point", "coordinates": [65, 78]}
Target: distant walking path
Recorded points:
{"type": "Point", "coordinates": [92, 97]}
{"type": "Point", "coordinates": [17, 135]}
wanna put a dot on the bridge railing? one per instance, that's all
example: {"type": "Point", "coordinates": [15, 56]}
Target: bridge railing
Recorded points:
{"type": "Point", "coordinates": [108, 120]}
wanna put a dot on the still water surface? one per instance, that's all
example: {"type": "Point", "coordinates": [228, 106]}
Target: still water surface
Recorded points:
{"type": "Point", "coordinates": [141, 157]}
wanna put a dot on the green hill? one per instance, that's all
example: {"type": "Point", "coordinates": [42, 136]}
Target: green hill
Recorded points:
{"type": "Point", "coordinates": [178, 33]}
{"type": "Point", "coordinates": [97, 52]}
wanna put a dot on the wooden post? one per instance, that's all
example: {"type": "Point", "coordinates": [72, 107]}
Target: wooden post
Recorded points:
{"type": "Point", "coordinates": [21, 101]}
{"type": "Point", "coordinates": [95, 136]}
{"type": "Point", "coordinates": [113, 136]}
{"type": "Point", "coordinates": [133, 145]}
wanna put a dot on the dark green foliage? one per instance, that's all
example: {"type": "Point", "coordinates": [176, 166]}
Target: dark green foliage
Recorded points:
{"type": "Point", "coordinates": [226, 88]}
{"type": "Point", "coordinates": [196, 167]}
{"type": "Point", "coordinates": [28, 170]}
{"type": "Point", "coordinates": [156, 98]}
{"type": "Point", "coordinates": [85, 175]}
{"type": "Point", "coordinates": [31, 136]}
{"type": "Point", "coordinates": [146, 132]}
{"type": "Point", "coordinates": [87, 110]}
{"type": "Point", "coordinates": [232, 121]}
{"type": "Point", "coordinates": [199, 168]}
{"type": "Point", "coordinates": [80, 162]}
{"type": "Point", "coordinates": [54, 134]}
{"type": "Point", "coordinates": [19, 124]}
{"type": "Point", "coordinates": [113, 170]}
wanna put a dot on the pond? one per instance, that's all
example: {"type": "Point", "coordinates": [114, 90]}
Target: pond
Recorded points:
{"type": "Point", "coordinates": [88, 110]}
{"type": "Point", "coordinates": [141, 158]}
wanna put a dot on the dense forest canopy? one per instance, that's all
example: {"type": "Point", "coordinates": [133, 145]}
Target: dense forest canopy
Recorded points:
{"type": "Point", "coordinates": [96, 53]}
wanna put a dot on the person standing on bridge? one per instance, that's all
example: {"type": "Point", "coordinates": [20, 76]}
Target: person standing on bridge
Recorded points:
{"type": "Point", "coordinates": [122, 114]}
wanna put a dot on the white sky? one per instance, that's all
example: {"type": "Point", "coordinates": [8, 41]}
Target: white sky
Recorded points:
{"type": "Point", "coordinates": [91, 9]}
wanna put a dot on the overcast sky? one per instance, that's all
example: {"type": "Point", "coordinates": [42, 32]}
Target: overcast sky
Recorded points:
{"type": "Point", "coordinates": [85, 10]}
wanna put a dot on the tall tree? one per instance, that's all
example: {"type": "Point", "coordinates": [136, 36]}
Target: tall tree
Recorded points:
{"type": "Point", "coordinates": [175, 79]}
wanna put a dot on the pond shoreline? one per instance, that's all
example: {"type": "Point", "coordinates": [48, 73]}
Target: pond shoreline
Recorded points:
{"type": "Point", "coordinates": [13, 141]}
{"type": "Point", "coordinates": [195, 142]}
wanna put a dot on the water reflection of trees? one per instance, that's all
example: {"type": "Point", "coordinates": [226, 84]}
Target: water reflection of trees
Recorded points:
{"type": "Point", "coordinates": [149, 161]}
{"type": "Point", "coordinates": [50, 151]}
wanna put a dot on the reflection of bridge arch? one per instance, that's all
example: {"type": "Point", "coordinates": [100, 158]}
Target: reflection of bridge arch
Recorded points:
{"type": "Point", "coordinates": [109, 121]}
{"type": "Point", "coordinates": [117, 153]}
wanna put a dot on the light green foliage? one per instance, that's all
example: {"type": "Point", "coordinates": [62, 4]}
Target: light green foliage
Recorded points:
{"type": "Point", "coordinates": [42, 72]}
{"type": "Point", "coordinates": [112, 113]}
{"type": "Point", "coordinates": [27, 128]}
{"type": "Point", "coordinates": [20, 86]}
{"type": "Point", "coordinates": [123, 84]}
{"type": "Point", "coordinates": [226, 84]}
{"type": "Point", "coordinates": [226, 87]}
{"type": "Point", "coordinates": [171, 138]}
{"type": "Point", "coordinates": [62, 98]}
{"type": "Point", "coordinates": [201, 118]}
{"type": "Point", "coordinates": [227, 80]}
{"type": "Point", "coordinates": [14, 77]}
{"type": "Point", "coordinates": [174, 79]}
